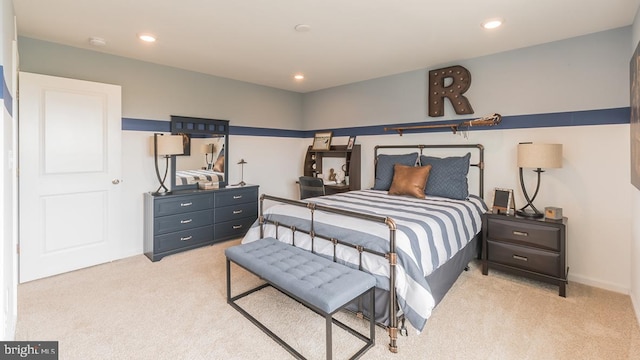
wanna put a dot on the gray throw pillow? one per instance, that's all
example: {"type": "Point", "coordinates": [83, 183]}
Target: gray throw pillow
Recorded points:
{"type": "Point", "coordinates": [384, 168]}
{"type": "Point", "coordinates": [448, 177]}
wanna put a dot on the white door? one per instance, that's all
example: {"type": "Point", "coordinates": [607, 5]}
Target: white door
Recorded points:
{"type": "Point", "coordinates": [70, 168]}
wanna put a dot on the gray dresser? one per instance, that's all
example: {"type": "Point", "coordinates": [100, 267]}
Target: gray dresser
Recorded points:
{"type": "Point", "coordinates": [189, 219]}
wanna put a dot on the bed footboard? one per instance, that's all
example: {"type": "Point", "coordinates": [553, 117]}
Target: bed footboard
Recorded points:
{"type": "Point", "coordinates": [390, 255]}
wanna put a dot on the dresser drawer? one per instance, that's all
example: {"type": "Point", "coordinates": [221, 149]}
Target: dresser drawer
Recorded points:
{"type": "Point", "coordinates": [183, 238]}
{"type": "Point", "coordinates": [235, 228]}
{"type": "Point", "coordinates": [184, 221]}
{"type": "Point", "coordinates": [540, 236]}
{"type": "Point", "coordinates": [236, 196]}
{"type": "Point", "coordinates": [540, 261]}
{"type": "Point", "coordinates": [228, 213]}
{"type": "Point", "coordinates": [182, 204]}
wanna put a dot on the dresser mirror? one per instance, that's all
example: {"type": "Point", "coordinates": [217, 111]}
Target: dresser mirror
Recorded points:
{"type": "Point", "coordinates": [206, 150]}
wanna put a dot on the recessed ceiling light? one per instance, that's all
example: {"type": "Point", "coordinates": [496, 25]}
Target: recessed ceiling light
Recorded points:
{"type": "Point", "coordinates": [492, 24]}
{"type": "Point", "coordinates": [302, 28]}
{"type": "Point", "coordinates": [147, 38]}
{"type": "Point", "coordinates": [96, 41]}
{"type": "Point", "coordinates": [298, 77]}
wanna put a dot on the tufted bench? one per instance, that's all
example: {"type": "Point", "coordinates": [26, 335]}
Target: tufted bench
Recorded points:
{"type": "Point", "coordinates": [318, 283]}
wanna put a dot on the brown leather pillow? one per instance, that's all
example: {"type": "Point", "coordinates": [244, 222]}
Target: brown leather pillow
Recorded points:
{"type": "Point", "coordinates": [409, 180]}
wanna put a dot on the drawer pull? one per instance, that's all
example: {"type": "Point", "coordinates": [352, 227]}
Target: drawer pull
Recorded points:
{"type": "Point", "coordinates": [237, 196]}
{"type": "Point", "coordinates": [236, 212]}
{"type": "Point", "coordinates": [186, 204]}
{"type": "Point", "coordinates": [186, 221]}
{"type": "Point", "coordinates": [186, 238]}
{"type": "Point", "coordinates": [518, 257]}
{"type": "Point", "coordinates": [520, 233]}
{"type": "Point", "coordinates": [236, 227]}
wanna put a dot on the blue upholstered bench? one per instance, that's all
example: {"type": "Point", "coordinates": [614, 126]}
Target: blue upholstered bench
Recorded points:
{"type": "Point", "coordinates": [318, 283]}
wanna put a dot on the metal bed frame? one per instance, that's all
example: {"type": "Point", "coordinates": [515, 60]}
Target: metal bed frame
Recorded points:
{"type": "Point", "coordinates": [390, 256]}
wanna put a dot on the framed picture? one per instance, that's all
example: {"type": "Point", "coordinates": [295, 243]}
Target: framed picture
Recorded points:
{"type": "Point", "coordinates": [502, 201]}
{"type": "Point", "coordinates": [352, 141]}
{"type": "Point", "coordinates": [322, 141]}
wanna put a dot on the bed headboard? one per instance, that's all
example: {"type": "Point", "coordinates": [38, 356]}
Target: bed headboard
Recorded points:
{"type": "Point", "coordinates": [476, 150]}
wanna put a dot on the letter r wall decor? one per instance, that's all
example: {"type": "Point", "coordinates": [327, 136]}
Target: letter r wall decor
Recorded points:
{"type": "Point", "coordinates": [450, 82]}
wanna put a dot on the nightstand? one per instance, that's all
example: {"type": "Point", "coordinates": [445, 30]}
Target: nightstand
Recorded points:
{"type": "Point", "coordinates": [533, 248]}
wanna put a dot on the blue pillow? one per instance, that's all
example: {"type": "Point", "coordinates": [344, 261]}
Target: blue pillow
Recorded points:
{"type": "Point", "coordinates": [384, 168]}
{"type": "Point", "coordinates": [448, 177]}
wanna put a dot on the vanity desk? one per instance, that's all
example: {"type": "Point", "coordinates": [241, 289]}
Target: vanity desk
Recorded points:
{"type": "Point", "coordinates": [189, 219]}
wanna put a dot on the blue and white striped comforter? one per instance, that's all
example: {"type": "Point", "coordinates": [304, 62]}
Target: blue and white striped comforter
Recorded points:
{"type": "Point", "coordinates": [429, 232]}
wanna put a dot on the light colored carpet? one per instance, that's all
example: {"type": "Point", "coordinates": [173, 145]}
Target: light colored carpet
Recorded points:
{"type": "Point", "coordinates": [176, 309]}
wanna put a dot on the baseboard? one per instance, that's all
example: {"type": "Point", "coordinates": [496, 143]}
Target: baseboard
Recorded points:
{"type": "Point", "coordinates": [636, 306]}
{"type": "Point", "coordinates": [599, 284]}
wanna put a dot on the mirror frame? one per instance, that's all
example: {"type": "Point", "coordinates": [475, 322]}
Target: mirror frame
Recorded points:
{"type": "Point", "coordinates": [199, 127]}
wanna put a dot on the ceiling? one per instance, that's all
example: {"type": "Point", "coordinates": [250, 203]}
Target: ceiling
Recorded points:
{"type": "Point", "coordinates": [348, 40]}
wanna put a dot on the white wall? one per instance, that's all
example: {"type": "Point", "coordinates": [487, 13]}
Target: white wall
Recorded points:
{"type": "Point", "coordinates": [8, 215]}
{"type": "Point", "coordinates": [635, 209]}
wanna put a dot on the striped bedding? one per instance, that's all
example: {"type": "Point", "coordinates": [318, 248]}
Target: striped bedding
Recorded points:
{"type": "Point", "coordinates": [187, 177]}
{"type": "Point", "coordinates": [429, 232]}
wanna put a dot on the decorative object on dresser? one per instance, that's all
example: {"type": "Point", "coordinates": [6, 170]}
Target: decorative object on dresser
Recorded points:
{"type": "Point", "coordinates": [165, 146]}
{"type": "Point", "coordinates": [189, 219]}
{"type": "Point", "coordinates": [533, 248]}
{"type": "Point", "coordinates": [537, 156]}
{"type": "Point", "coordinates": [503, 201]}
{"type": "Point", "coordinates": [241, 163]}
{"type": "Point", "coordinates": [553, 213]}
{"type": "Point", "coordinates": [322, 140]}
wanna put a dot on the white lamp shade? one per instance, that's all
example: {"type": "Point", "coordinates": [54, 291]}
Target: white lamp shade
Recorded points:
{"type": "Point", "coordinates": [542, 156]}
{"type": "Point", "coordinates": [207, 148]}
{"type": "Point", "coordinates": [169, 145]}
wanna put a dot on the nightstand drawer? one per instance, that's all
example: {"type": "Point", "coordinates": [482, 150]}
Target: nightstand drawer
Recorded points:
{"type": "Point", "coordinates": [526, 233]}
{"type": "Point", "coordinates": [540, 261]}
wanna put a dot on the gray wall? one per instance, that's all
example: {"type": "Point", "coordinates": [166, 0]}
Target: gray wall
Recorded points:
{"type": "Point", "coordinates": [154, 92]}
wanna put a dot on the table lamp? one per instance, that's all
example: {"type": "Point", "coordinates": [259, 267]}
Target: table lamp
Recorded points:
{"type": "Point", "coordinates": [165, 146]}
{"type": "Point", "coordinates": [537, 156]}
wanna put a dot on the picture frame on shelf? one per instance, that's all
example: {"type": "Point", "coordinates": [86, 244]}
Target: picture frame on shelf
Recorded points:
{"type": "Point", "coordinates": [351, 142]}
{"type": "Point", "coordinates": [503, 201]}
{"type": "Point", "coordinates": [322, 140]}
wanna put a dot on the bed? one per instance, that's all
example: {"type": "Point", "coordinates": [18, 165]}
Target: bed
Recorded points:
{"type": "Point", "coordinates": [188, 177]}
{"type": "Point", "coordinates": [415, 240]}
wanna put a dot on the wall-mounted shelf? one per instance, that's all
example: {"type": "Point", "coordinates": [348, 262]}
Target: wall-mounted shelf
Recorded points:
{"type": "Point", "coordinates": [490, 120]}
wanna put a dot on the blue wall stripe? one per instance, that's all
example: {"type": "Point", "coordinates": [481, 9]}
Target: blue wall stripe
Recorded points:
{"type": "Point", "coordinates": [570, 118]}
{"type": "Point", "coordinates": [5, 94]}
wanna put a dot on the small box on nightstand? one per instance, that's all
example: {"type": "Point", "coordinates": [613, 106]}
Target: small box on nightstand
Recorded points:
{"type": "Point", "coordinates": [554, 213]}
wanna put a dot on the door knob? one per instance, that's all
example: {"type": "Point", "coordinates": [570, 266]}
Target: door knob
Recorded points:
{"type": "Point", "coordinates": [115, 181]}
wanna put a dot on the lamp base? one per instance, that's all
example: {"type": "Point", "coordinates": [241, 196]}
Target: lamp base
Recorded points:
{"type": "Point", "coordinates": [530, 215]}
{"type": "Point", "coordinates": [158, 193]}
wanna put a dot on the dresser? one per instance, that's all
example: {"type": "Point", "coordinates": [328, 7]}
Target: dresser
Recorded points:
{"type": "Point", "coordinates": [534, 248]}
{"type": "Point", "coordinates": [189, 219]}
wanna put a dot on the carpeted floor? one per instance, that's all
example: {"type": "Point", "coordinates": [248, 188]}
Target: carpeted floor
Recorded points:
{"type": "Point", "coordinates": [176, 309]}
